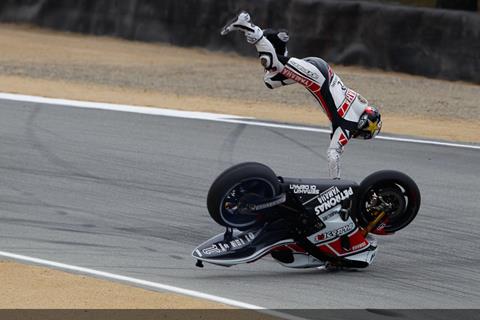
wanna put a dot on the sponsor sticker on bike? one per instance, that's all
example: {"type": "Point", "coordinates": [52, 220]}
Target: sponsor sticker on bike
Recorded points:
{"type": "Point", "coordinates": [359, 246]}
{"type": "Point", "coordinates": [211, 250]}
{"type": "Point", "coordinates": [340, 231]}
{"type": "Point", "coordinates": [304, 189]}
{"type": "Point", "coordinates": [236, 243]}
{"type": "Point", "coordinates": [331, 197]}
{"type": "Point", "coordinates": [242, 241]}
{"type": "Point", "coordinates": [327, 216]}
{"type": "Point", "coordinates": [336, 233]}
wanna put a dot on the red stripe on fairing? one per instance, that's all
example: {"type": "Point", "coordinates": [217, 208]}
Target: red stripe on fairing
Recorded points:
{"type": "Point", "coordinates": [356, 239]}
{"type": "Point", "coordinates": [313, 87]}
{"type": "Point", "coordinates": [326, 249]}
{"type": "Point", "coordinates": [296, 248]}
{"type": "Point", "coordinates": [357, 243]}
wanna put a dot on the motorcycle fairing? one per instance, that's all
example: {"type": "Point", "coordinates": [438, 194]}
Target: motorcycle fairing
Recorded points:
{"type": "Point", "coordinates": [339, 238]}
{"type": "Point", "coordinates": [243, 247]}
{"type": "Point", "coordinates": [250, 245]}
{"type": "Point", "coordinates": [320, 195]}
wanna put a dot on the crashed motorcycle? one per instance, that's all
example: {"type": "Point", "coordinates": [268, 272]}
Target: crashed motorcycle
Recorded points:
{"type": "Point", "coordinates": [304, 223]}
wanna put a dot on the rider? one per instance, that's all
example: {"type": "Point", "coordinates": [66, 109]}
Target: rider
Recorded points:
{"type": "Point", "coordinates": [350, 114]}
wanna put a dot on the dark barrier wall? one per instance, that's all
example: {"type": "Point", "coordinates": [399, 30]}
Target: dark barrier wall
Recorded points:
{"type": "Point", "coordinates": [471, 5]}
{"type": "Point", "coordinates": [430, 42]}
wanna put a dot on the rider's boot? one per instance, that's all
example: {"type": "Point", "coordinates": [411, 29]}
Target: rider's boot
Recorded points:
{"type": "Point", "coordinates": [242, 22]}
{"type": "Point", "coordinates": [254, 34]}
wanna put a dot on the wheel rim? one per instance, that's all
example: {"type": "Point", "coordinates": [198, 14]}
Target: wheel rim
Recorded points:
{"type": "Point", "coordinates": [397, 197]}
{"type": "Point", "coordinates": [398, 201]}
{"type": "Point", "coordinates": [232, 209]}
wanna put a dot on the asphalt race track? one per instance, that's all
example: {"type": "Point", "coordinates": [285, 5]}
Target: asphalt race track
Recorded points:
{"type": "Point", "coordinates": [125, 193]}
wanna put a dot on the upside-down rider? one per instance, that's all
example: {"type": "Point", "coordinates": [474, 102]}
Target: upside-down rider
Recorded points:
{"type": "Point", "coordinates": [350, 114]}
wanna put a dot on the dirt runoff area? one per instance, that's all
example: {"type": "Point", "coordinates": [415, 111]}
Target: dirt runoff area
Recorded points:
{"type": "Point", "coordinates": [55, 294]}
{"type": "Point", "coordinates": [65, 65]}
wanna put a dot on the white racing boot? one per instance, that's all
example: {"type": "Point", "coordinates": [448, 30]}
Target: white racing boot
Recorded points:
{"type": "Point", "coordinates": [254, 35]}
{"type": "Point", "coordinates": [243, 23]}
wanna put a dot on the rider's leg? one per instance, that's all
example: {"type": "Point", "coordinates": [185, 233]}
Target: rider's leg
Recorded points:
{"type": "Point", "coordinates": [254, 35]}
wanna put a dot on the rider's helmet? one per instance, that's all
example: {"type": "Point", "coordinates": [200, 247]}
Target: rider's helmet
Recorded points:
{"type": "Point", "coordinates": [279, 39]}
{"type": "Point", "coordinates": [370, 123]}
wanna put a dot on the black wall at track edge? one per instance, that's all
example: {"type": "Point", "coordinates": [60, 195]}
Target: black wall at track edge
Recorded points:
{"type": "Point", "coordinates": [430, 42]}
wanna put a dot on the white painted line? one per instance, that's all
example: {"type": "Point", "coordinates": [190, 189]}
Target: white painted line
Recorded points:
{"type": "Point", "coordinates": [148, 284]}
{"type": "Point", "coordinates": [118, 107]}
{"type": "Point", "coordinates": [431, 142]}
{"type": "Point", "coordinates": [380, 137]}
{"type": "Point", "coordinates": [205, 116]}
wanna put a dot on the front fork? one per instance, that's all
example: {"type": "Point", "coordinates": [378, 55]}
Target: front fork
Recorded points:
{"type": "Point", "coordinates": [372, 225]}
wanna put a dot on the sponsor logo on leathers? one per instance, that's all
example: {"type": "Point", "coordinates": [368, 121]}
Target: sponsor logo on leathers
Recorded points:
{"type": "Point", "coordinates": [305, 71]}
{"type": "Point", "coordinates": [295, 77]}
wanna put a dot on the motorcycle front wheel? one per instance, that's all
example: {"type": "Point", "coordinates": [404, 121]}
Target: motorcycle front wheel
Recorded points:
{"type": "Point", "coordinates": [395, 193]}
{"type": "Point", "coordinates": [235, 188]}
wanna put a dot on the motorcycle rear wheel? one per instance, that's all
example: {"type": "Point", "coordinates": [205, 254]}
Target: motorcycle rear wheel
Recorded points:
{"type": "Point", "coordinates": [395, 188]}
{"type": "Point", "coordinates": [236, 187]}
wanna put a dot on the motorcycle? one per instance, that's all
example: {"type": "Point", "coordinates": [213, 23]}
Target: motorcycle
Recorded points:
{"type": "Point", "coordinates": [304, 223]}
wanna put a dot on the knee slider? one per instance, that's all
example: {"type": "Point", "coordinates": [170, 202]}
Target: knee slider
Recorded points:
{"type": "Point", "coordinates": [266, 61]}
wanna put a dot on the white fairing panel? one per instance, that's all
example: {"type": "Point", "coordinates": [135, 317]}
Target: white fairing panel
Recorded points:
{"type": "Point", "coordinates": [366, 256]}
{"type": "Point", "coordinates": [335, 226]}
{"type": "Point", "coordinates": [302, 260]}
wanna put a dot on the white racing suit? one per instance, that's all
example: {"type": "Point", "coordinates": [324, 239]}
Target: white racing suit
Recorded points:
{"type": "Point", "coordinates": [342, 105]}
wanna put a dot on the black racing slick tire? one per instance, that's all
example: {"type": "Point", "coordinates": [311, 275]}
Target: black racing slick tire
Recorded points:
{"type": "Point", "coordinates": [244, 182]}
{"type": "Point", "coordinates": [395, 188]}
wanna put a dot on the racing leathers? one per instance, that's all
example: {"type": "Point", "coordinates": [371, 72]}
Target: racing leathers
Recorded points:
{"type": "Point", "coordinates": [342, 105]}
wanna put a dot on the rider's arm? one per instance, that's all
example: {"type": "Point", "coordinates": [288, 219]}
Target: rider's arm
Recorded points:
{"type": "Point", "coordinates": [339, 139]}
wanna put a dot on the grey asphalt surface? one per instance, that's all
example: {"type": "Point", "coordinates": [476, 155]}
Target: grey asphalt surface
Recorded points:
{"type": "Point", "coordinates": [125, 193]}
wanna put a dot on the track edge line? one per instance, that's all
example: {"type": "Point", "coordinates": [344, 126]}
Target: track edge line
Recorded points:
{"type": "Point", "coordinates": [204, 116]}
{"type": "Point", "coordinates": [147, 283]}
